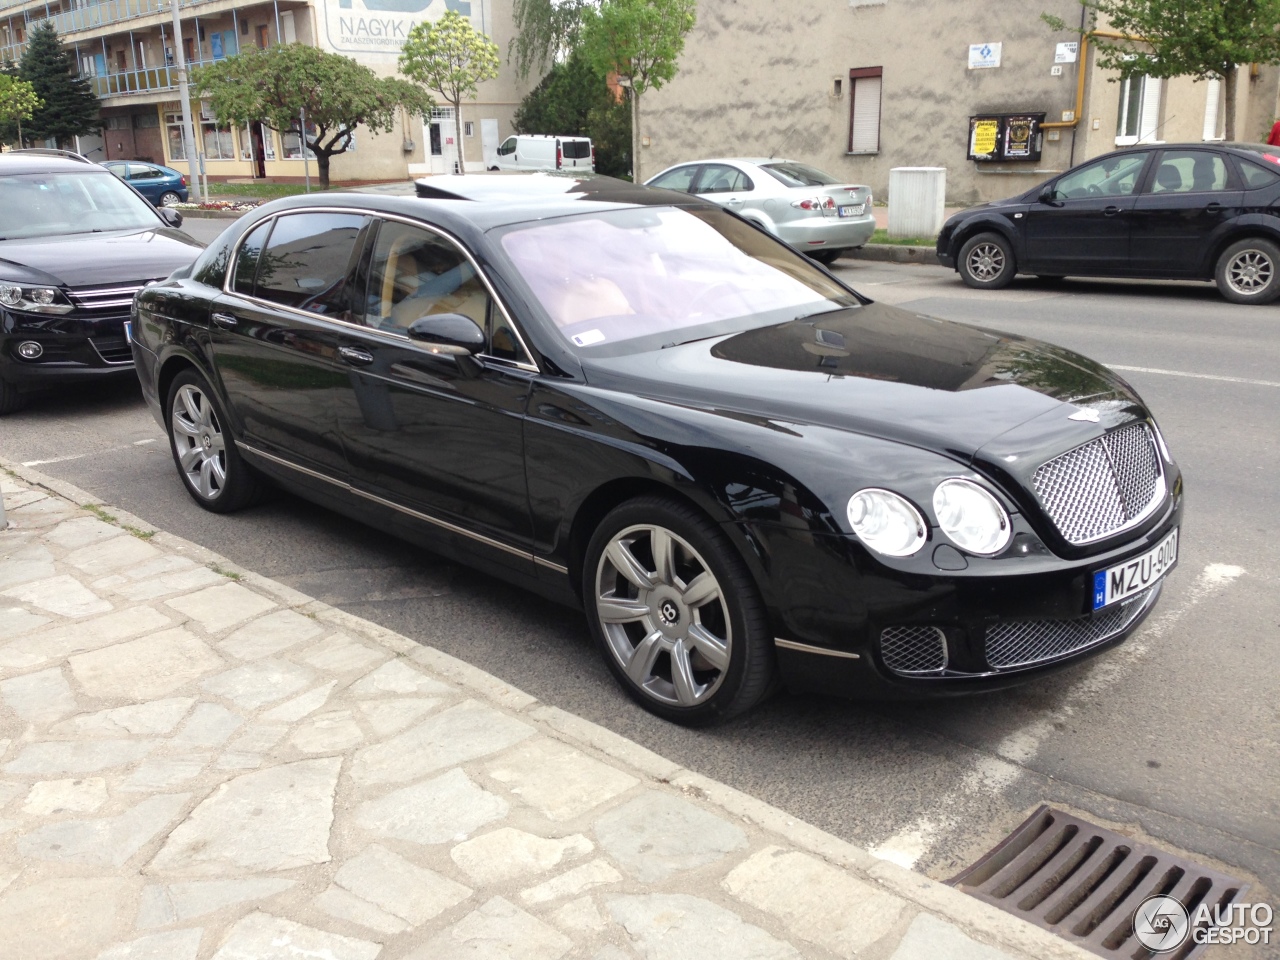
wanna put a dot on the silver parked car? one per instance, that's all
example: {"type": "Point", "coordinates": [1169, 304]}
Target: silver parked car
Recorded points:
{"type": "Point", "coordinates": [809, 209]}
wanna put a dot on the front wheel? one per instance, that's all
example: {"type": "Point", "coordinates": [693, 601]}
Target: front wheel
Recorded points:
{"type": "Point", "coordinates": [987, 262]}
{"type": "Point", "coordinates": [1249, 271]}
{"type": "Point", "coordinates": [211, 468]}
{"type": "Point", "coordinates": [169, 198]}
{"type": "Point", "coordinates": [676, 613]}
{"type": "Point", "coordinates": [11, 399]}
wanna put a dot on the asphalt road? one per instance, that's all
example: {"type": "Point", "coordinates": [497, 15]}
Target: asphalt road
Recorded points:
{"type": "Point", "coordinates": [1174, 737]}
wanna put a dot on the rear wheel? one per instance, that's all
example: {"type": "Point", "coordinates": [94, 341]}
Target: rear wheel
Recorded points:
{"type": "Point", "coordinates": [11, 400]}
{"type": "Point", "coordinates": [986, 262]}
{"type": "Point", "coordinates": [211, 467]}
{"type": "Point", "coordinates": [826, 256]}
{"type": "Point", "coordinates": [169, 198]}
{"type": "Point", "coordinates": [676, 613]}
{"type": "Point", "coordinates": [1249, 271]}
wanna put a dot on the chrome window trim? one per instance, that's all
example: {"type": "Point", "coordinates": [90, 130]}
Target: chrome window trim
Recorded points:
{"type": "Point", "coordinates": [408, 511]}
{"type": "Point", "coordinates": [398, 338]}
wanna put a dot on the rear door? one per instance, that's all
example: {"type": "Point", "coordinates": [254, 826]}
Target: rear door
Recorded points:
{"type": "Point", "coordinates": [1083, 226]}
{"type": "Point", "coordinates": [148, 180]}
{"type": "Point", "coordinates": [1191, 194]}
{"type": "Point", "coordinates": [575, 153]}
{"type": "Point", "coordinates": [726, 185]}
{"type": "Point", "coordinates": [681, 178]}
{"type": "Point", "coordinates": [275, 335]}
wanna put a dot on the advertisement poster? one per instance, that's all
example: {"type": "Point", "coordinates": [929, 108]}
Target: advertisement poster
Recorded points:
{"type": "Point", "coordinates": [373, 31]}
{"type": "Point", "coordinates": [1017, 137]}
{"type": "Point", "coordinates": [984, 137]}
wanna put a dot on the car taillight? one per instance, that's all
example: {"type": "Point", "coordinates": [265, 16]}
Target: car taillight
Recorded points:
{"type": "Point", "coordinates": [815, 203]}
{"type": "Point", "coordinates": [559, 157]}
{"type": "Point", "coordinates": [1272, 157]}
{"type": "Point", "coordinates": [182, 181]}
{"type": "Point", "coordinates": [593, 156]}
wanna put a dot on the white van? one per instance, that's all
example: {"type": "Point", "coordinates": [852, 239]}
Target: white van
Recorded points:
{"type": "Point", "coordinates": [529, 152]}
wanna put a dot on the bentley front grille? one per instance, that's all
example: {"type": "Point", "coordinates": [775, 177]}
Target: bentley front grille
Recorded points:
{"type": "Point", "coordinates": [1022, 643]}
{"type": "Point", "coordinates": [911, 651]}
{"type": "Point", "coordinates": [1103, 486]}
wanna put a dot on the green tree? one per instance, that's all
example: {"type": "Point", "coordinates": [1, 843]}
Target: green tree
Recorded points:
{"type": "Point", "coordinates": [547, 32]}
{"type": "Point", "coordinates": [18, 102]}
{"type": "Point", "coordinates": [1187, 38]}
{"type": "Point", "coordinates": [574, 100]}
{"type": "Point", "coordinates": [69, 107]}
{"type": "Point", "coordinates": [452, 58]}
{"type": "Point", "coordinates": [640, 40]}
{"type": "Point", "coordinates": [278, 84]}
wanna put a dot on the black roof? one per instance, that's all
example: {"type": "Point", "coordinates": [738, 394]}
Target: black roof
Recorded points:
{"type": "Point", "coordinates": [31, 161]}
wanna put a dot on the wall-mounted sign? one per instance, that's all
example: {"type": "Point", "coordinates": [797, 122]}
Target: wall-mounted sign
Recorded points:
{"type": "Point", "coordinates": [1005, 136]}
{"type": "Point", "coordinates": [1066, 52]}
{"type": "Point", "coordinates": [983, 56]}
{"type": "Point", "coordinates": [375, 30]}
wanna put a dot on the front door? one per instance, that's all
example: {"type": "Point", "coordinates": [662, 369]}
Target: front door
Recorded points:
{"type": "Point", "coordinates": [440, 435]}
{"type": "Point", "coordinates": [259, 149]}
{"type": "Point", "coordinates": [1081, 225]}
{"type": "Point", "coordinates": [442, 152]}
{"type": "Point", "coordinates": [1192, 193]}
{"type": "Point", "coordinates": [275, 342]}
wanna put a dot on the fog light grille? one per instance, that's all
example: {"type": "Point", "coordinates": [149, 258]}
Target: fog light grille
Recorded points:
{"type": "Point", "coordinates": [1020, 643]}
{"type": "Point", "coordinates": [914, 650]}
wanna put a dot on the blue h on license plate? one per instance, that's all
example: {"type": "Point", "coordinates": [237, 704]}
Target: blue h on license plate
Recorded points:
{"type": "Point", "coordinates": [1135, 575]}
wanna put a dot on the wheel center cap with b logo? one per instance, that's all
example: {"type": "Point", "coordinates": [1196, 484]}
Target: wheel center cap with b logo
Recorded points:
{"type": "Point", "coordinates": [668, 613]}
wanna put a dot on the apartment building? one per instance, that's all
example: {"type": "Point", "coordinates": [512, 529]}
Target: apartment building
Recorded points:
{"type": "Point", "coordinates": [127, 50]}
{"type": "Point", "coordinates": [986, 90]}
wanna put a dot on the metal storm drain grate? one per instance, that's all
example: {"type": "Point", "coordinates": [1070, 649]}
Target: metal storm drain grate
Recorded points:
{"type": "Point", "coordinates": [1084, 883]}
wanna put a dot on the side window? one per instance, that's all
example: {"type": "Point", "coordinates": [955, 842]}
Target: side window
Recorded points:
{"type": "Point", "coordinates": [1112, 177]}
{"type": "Point", "coordinates": [718, 178]}
{"type": "Point", "coordinates": [249, 257]}
{"type": "Point", "coordinates": [508, 147]}
{"type": "Point", "coordinates": [1189, 171]}
{"type": "Point", "coordinates": [1256, 176]}
{"type": "Point", "coordinates": [681, 178]}
{"type": "Point", "coordinates": [305, 263]}
{"type": "Point", "coordinates": [140, 171]}
{"type": "Point", "coordinates": [119, 169]}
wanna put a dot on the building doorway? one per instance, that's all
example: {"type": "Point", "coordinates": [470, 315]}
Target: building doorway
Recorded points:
{"type": "Point", "coordinates": [258, 145]}
{"type": "Point", "coordinates": [442, 151]}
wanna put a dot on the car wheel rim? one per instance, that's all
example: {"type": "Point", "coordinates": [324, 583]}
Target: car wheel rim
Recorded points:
{"type": "Point", "coordinates": [197, 437]}
{"type": "Point", "coordinates": [986, 261]}
{"type": "Point", "coordinates": [664, 615]}
{"type": "Point", "coordinates": [1249, 272]}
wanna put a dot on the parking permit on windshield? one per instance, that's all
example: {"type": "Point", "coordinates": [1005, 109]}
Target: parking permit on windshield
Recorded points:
{"type": "Point", "coordinates": [588, 338]}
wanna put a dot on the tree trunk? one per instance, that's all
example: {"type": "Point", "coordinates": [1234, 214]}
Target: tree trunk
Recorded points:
{"type": "Point", "coordinates": [322, 167]}
{"type": "Point", "coordinates": [1229, 102]}
{"type": "Point", "coordinates": [457, 128]}
{"type": "Point", "coordinates": [635, 134]}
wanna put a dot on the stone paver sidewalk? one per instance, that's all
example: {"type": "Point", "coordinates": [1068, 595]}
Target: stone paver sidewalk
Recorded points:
{"type": "Point", "coordinates": [198, 762]}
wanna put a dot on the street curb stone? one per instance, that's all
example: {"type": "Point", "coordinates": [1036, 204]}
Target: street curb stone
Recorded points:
{"type": "Point", "coordinates": [988, 923]}
{"type": "Point", "coordinates": [893, 253]}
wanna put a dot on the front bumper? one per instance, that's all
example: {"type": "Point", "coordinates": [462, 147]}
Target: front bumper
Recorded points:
{"type": "Point", "coordinates": [828, 233]}
{"type": "Point", "coordinates": [75, 347]}
{"type": "Point", "coordinates": [833, 603]}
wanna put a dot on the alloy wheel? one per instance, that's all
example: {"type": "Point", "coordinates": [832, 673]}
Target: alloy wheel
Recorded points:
{"type": "Point", "coordinates": [664, 615]}
{"type": "Point", "coordinates": [1249, 272]}
{"type": "Point", "coordinates": [198, 440]}
{"type": "Point", "coordinates": [986, 261]}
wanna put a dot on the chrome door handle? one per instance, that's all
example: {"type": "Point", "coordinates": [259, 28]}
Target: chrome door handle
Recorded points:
{"type": "Point", "coordinates": [354, 355]}
{"type": "Point", "coordinates": [733, 202]}
{"type": "Point", "coordinates": [1214, 206]}
{"type": "Point", "coordinates": [225, 320]}
{"type": "Point", "coordinates": [1110, 211]}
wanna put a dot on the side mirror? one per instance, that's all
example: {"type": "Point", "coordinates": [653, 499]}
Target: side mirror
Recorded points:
{"type": "Point", "coordinates": [170, 216]}
{"type": "Point", "coordinates": [1048, 195]}
{"type": "Point", "coordinates": [449, 334]}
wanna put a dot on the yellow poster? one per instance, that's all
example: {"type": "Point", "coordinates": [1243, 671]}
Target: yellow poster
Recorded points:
{"type": "Point", "coordinates": [983, 137]}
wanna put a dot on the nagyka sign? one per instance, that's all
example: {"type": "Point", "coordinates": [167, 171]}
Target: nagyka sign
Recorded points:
{"type": "Point", "coordinates": [377, 29]}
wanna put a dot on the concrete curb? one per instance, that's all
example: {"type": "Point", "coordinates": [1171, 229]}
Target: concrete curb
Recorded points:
{"type": "Point", "coordinates": [986, 922]}
{"type": "Point", "coordinates": [893, 253]}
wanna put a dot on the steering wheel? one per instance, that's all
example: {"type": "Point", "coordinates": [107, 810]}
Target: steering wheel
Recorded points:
{"type": "Point", "coordinates": [1095, 190]}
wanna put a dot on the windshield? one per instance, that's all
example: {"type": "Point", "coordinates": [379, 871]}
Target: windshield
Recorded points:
{"type": "Point", "coordinates": [629, 280]}
{"type": "Point", "coordinates": [799, 175]}
{"type": "Point", "coordinates": [52, 204]}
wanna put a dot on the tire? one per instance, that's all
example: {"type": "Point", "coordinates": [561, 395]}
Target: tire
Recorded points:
{"type": "Point", "coordinates": [827, 257]}
{"type": "Point", "coordinates": [986, 262]}
{"type": "Point", "coordinates": [169, 198]}
{"type": "Point", "coordinates": [11, 399]}
{"type": "Point", "coordinates": [1249, 271]}
{"type": "Point", "coordinates": [643, 618]}
{"type": "Point", "coordinates": [208, 462]}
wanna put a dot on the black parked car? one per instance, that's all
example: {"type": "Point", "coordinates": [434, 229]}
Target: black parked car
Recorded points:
{"type": "Point", "coordinates": [1179, 211]}
{"type": "Point", "coordinates": [75, 245]}
{"type": "Point", "coordinates": [634, 400]}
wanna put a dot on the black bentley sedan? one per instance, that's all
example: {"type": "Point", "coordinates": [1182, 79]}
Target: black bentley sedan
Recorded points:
{"type": "Point", "coordinates": [1178, 211]}
{"type": "Point", "coordinates": [75, 245]}
{"type": "Point", "coordinates": [634, 401]}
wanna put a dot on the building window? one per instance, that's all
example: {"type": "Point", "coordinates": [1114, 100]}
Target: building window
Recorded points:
{"type": "Point", "coordinates": [292, 143]}
{"type": "Point", "coordinates": [217, 141]}
{"type": "Point", "coordinates": [468, 128]}
{"type": "Point", "coordinates": [864, 109]}
{"type": "Point", "coordinates": [1139, 112]}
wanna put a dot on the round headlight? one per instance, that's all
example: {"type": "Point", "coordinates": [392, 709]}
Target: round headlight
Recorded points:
{"type": "Point", "coordinates": [886, 522]}
{"type": "Point", "coordinates": [971, 517]}
{"type": "Point", "coordinates": [10, 294]}
{"type": "Point", "coordinates": [43, 295]}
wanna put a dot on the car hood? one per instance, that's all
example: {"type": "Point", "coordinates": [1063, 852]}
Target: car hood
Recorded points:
{"type": "Point", "coordinates": [96, 259]}
{"type": "Point", "coordinates": [880, 371]}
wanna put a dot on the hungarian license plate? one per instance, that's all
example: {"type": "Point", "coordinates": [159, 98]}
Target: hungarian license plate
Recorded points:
{"type": "Point", "coordinates": [1133, 576]}
{"type": "Point", "coordinates": [853, 209]}
{"type": "Point", "coordinates": [128, 331]}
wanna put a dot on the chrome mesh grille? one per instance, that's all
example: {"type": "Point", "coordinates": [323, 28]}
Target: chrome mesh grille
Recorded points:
{"type": "Point", "coordinates": [1020, 643]}
{"type": "Point", "coordinates": [912, 650]}
{"type": "Point", "coordinates": [1103, 485]}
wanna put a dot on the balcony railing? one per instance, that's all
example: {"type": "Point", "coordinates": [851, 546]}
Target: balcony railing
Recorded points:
{"type": "Point", "coordinates": [146, 80]}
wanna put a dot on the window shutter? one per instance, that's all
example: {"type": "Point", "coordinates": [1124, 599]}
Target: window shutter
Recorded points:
{"type": "Point", "coordinates": [1150, 123]}
{"type": "Point", "coordinates": [1212, 95]}
{"type": "Point", "coordinates": [866, 115]}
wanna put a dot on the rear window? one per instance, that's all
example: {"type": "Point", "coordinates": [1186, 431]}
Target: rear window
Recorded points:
{"type": "Point", "coordinates": [799, 175]}
{"type": "Point", "coordinates": [576, 149]}
{"type": "Point", "coordinates": [1256, 175]}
